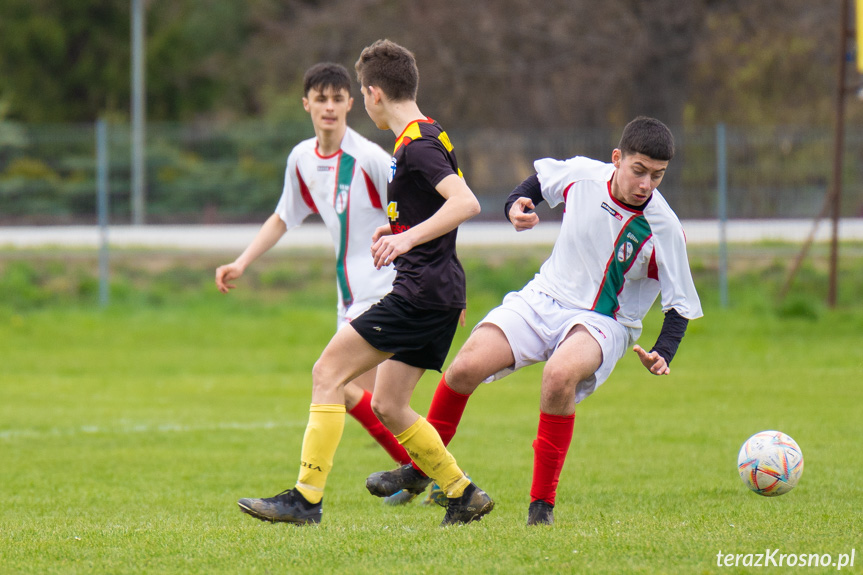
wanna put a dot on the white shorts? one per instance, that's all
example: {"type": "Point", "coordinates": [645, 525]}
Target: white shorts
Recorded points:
{"type": "Point", "coordinates": [535, 325]}
{"type": "Point", "coordinates": [356, 309]}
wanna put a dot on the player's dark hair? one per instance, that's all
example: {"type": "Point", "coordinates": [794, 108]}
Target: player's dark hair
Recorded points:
{"type": "Point", "coordinates": [327, 75]}
{"type": "Point", "coordinates": [647, 136]}
{"type": "Point", "coordinates": [390, 67]}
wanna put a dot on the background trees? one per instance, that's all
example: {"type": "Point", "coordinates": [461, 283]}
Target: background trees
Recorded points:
{"type": "Point", "coordinates": [512, 80]}
{"type": "Point", "coordinates": [484, 63]}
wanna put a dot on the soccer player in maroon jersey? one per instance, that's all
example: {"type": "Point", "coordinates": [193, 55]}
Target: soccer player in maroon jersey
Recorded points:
{"type": "Point", "coordinates": [411, 328]}
{"type": "Point", "coordinates": [341, 176]}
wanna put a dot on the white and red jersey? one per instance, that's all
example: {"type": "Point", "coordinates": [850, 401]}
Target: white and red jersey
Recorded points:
{"type": "Point", "coordinates": [611, 258]}
{"type": "Point", "coordinates": [349, 191]}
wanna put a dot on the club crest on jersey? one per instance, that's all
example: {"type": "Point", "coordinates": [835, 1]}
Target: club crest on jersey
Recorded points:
{"type": "Point", "coordinates": [341, 202]}
{"type": "Point", "coordinates": [624, 252]}
{"type": "Point", "coordinates": [612, 211]}
{"type": "Point", "coordinates": [392, 173]}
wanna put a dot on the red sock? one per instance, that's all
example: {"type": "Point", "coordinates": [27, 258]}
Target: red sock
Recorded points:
{"type": "Point", "coordinates": [363, 413]}
{"type": "Point", "coordinates": [445, 411]}
{"type": "Point", "coordinates": [549, 452]}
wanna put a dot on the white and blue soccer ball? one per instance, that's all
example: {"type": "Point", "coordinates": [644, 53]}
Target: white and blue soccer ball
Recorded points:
{"type": "Point", "coordinates": [770, 463]}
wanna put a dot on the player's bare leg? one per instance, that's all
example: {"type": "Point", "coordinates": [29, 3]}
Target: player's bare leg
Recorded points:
{"type": "Point", "coordinates": [345, 358]}
{"type": "Point", "coordinates": [358, 403]}
{"type": "Point", "coordinates": [486, 352]}
{"type": "Point", "coordinates": [391, 402]}
{"type": "Point", "coordinates": [365, 382]}
{"type": "Point", "coordinates": [393, 390]}
{"type": "Point", "coordinates": [356, 389]}
{"type": "Point", "coordinates": [575, 360]}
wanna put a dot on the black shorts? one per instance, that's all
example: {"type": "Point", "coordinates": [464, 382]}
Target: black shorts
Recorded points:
{"type": "Point", "coordinates": [416, 336]}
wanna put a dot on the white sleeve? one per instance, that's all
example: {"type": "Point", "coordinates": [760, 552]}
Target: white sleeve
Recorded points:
{"type": "Point", "coordinates": [554, 177]}
{"type": "Point", "coordinates": [378, 166]}
{"type": "Point", "coordinates": [292, 208]}
{"type": "Point", "coordinates": [675, 277]}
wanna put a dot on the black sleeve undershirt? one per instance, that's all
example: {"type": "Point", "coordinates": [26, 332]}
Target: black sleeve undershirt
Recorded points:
{"type": "Point", "coordinates": [673, 329]}
{"type": "Point", "coordinates": [530, 188]}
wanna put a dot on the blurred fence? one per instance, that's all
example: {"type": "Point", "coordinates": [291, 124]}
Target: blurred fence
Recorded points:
{"type": "Point", "coordinates": [233, 173]}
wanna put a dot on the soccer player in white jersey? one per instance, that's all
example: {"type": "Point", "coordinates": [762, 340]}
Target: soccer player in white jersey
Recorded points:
{"type": "Point", "coordinates": [341, 176]}
{"type": "Point", "coordinates": [620, 246]}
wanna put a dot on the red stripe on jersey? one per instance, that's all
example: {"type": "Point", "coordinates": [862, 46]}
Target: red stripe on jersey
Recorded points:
{"type": "Point", "coordinates": [307, 195]}
{"type": "Point", "coordinates": [608, 265]}
{"type": "Point", "coordinates": [652, 268]}
{"type": "Point", "coordinates": [565, 194]}
{"type": "Point", "coordinates": [374, 198]}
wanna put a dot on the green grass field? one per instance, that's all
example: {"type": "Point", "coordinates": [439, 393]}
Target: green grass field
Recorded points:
{"type": "Point", "coordinates": [127, 434]}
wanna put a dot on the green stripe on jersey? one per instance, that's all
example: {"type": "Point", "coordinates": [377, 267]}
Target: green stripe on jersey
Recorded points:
{"type": "Point", "coordinates": [629, 243]}
{"type": "Point", "coordinates": [344, 177]}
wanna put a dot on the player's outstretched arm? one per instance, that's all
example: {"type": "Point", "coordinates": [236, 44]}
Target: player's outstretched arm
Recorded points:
{"type": "Point", "coordinates": [273, 229]}
{"type": "Point", "coordinates": [652, 361]}
{"type": "Point", "coordinates": [460, 206]}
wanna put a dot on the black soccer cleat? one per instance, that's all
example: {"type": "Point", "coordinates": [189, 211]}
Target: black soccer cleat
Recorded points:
{"type": "Point", "coordinates": [471, 506]}
{"type": "Point", "coordinates": [540, 513]}
{"type": "Point", "coordinates": [437, 495]}
{"type": "Point", "coordinates": [386, 483]}
{"type": "Point", "coordinates": [289, 506]}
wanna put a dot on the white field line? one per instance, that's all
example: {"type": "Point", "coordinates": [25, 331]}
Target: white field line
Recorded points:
{"type": "Point", "coordinates": [144, 428]}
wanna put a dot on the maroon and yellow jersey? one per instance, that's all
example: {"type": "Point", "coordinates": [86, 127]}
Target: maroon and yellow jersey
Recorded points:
{"type": "Point", "coordinates": [429, 275]}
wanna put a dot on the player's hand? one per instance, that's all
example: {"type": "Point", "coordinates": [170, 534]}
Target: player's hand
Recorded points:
{"type": "Point", "coordinates": [225, 274]}
{"type": "Point", "coordinates": [380, 231]}
{"type": "Point", "coordinates": [652, 361]}
{"type": "Point", "coordinates": [386, 249]}
{"type": "Point", "coordinates": [522, 216]}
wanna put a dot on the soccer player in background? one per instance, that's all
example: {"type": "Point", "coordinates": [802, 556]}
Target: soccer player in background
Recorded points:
{"type": "Point", "coordinates": [411, 328]}
{"type": "Point", "coordinates": [343, 177]}
{"type": "Point", "coordinates": [620, 246]}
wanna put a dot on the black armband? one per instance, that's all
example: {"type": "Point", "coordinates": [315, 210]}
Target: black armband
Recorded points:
{"type": "Point", "coordinates": [530, 188]}
{"type": "Point", "coordinates": [673, 329]}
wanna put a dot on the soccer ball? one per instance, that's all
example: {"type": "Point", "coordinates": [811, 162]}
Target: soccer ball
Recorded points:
{"type": "Point", "coordinates": [770, 463]}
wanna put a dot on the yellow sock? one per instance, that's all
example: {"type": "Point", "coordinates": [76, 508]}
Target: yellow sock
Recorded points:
{"type": "Point", "coordinates": [425, 447]}
{"type": "Point", "coordinates": [323, 433]}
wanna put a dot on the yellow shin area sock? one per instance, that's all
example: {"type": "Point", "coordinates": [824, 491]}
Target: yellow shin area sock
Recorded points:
{"type": "Point", "coordinates": [425, 447]}
{"type": "Point", "coordinates": [323, 433]}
